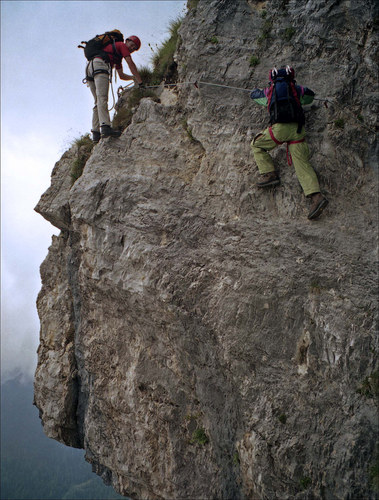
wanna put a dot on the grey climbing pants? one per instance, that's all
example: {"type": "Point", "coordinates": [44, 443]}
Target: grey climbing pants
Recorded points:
{"type": "Point", "coordinates": [99, 70]}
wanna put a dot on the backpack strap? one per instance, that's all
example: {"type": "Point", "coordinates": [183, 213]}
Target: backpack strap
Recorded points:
{"type": "Point", "coordinates": [294, 93]}
{"type": "Point", "coordinates": [301, 120]}
{"type": "Point", "coordinates": [270, 95]}
{"type": "Point", "coordinates": [117, 56]}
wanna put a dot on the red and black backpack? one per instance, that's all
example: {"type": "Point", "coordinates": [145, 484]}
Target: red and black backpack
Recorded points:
{"type": "Point", "coordinates": [283, 100]}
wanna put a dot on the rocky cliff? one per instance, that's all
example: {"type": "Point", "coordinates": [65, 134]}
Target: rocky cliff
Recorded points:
{"type": "Point", "coordinates": [200, 338]}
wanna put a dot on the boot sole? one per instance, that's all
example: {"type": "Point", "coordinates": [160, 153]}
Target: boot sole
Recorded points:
{"type": "Point", "coordinates": [273, 183]}
{"type": "Point", "coordinates": [318, 210]}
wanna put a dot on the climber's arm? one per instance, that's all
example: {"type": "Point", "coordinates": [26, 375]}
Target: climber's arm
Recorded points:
{"type": "Point", "coordinates": [124, 76]}
{"type": "Point", "coordinates": [133, 69]}
{"type": "Point", "coordinates": [259, 96]}
{"type": "Point", "coordinates": [307, 96]}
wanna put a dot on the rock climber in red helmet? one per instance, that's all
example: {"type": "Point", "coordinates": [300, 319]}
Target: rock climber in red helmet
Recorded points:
{"type": "Point", "coordinates": [97, 77]}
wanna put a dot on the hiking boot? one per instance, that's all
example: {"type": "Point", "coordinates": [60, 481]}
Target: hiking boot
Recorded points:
{"type": "Point", "coordinates": [108, 131]}
{"type": "Point", "coordinates": [269, 180]}
{"type": "Point", "coordinates": [317, 206]}
{"type": "Point", "coordinates": [95, 136]}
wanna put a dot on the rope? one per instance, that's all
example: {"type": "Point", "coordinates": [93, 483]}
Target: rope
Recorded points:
{"type": "Point", "coordinates": [225, 86]}
{"type": "Point", "coordinates": [200, 82]}
{"type": "Point", "coordinates": [110, 79]}
{"type": "Point", "coordinates": [345, 110]}
{"type": "Point", "coordinates": [196, 84]}
{"type": "Point", "coordinates": [121, 89]}
{"type": "Point", "coordinates": [168, 85]}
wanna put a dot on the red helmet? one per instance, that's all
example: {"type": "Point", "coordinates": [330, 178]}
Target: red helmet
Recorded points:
{"type": "Point", "coordinates": [136, 41]}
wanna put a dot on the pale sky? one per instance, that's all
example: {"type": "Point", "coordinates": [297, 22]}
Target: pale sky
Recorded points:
{"type": "Point", "coordinates": [44, 107]}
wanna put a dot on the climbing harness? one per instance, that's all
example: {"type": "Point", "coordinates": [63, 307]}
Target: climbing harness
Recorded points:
{"type": "Point", "coordinates": [289, 157]}
{"type": "Point", "coordinates": [95, 72]}
{"type": "Point", "coordinates": [88, 78]}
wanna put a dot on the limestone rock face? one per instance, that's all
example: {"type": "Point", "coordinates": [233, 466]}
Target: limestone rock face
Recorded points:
{"type": "Point", "coordinates": [201, 338]}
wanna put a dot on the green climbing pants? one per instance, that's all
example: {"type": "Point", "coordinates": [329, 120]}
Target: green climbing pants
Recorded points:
{"type": "Point", "coordinates": [297, 152]}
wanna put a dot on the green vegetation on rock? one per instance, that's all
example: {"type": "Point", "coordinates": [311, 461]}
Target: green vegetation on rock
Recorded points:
{"type": "Point", "coordinates": [164, 69]}
{"type": "Point", "coordinates": [84, 148]}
